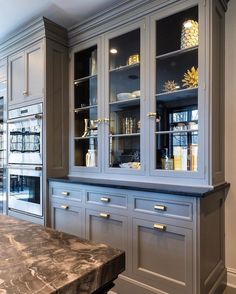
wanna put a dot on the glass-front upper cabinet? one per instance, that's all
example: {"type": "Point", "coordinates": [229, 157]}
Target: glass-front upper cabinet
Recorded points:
{"type": "Point", "coordinates": [176, 92]}
{"type": "Point", "coordinates": [125, 101]}
{"type": "Point", "coordinates": [86, 108]}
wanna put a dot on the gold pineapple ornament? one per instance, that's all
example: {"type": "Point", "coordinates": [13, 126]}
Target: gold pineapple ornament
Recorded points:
{"type": "Point", "coordinates": [190, 79]}
{"type": "Point", "coordinates": [189, 35]}
{"type": "Point", "coordinates": [170, 86]}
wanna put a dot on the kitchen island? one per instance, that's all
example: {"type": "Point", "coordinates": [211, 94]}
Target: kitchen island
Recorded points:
{"type": "Point", "coordinates": [34, 259]}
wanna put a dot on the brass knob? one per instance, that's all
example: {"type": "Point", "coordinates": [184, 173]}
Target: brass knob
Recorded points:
{"type": "Point", "coordinates": [65, 193]}
{"type": "Point", "coordinates": [105, 199]}
{"type": "Point", "coordinates": [25, 93]}
{"type": "Point", "coordinates": [64, 207]}
{"type": "Point", "coordinates": [159, 227]}
{"type": "Point", "coordinates": [104, 215]}
{"type": "Point", "coordinates": [152, 114]}
{"type": "Point", "coordinates": [160, 207]}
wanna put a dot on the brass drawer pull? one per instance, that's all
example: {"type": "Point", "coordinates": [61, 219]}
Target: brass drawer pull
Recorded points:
{"type": "Point", "coordinates": [151, 114]}
{"type": "Point", "coordinates": [159, 227]}
{"type": "Point", "coordinates": [160, 207]}
{"type": "Point", "coordinates": [104, 215]}
{"type": "Point", "coordinates": [65, 207]}
{"type": "Point", "coordinates": [105, 199]}
{"type": "Point", "coordinates": [65, 193]}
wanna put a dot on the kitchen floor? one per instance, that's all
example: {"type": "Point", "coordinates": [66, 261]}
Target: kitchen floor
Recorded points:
{"type": "Point", "coordinates": [230, 291]}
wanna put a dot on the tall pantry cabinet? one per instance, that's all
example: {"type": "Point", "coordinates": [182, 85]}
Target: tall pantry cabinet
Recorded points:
{"type": "Point", "coordinates": [37, 62]}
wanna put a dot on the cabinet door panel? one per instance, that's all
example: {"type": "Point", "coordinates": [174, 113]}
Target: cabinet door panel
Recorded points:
{"type": "Point", "coordinates": [16, 78]}
{"type": "Point", "coordinates": [34, 67]}
{"type": "Point", "coordinates": [111, 230]}
{"type": "Point", "coordinates": [163, 259]}
{"type": "Point", "coordinates": [66, 218]}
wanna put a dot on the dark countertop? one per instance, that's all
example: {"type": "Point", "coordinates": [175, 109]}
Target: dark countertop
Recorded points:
{"type": "Point", "coordinates": [192, 191]}
{"type": "Point", "coordinates": [34, 259]}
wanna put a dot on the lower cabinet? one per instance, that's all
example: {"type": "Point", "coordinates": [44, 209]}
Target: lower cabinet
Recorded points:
{"type": "Point", "coordinates": [168, 239]}
{"type": "Point", "coordinates": [162, 255]}
{"type": "Point", "coordinates": [66, 218]}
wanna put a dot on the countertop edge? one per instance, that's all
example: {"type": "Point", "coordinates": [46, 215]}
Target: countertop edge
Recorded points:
{"type": "Point", "coordinates": [192, 191]}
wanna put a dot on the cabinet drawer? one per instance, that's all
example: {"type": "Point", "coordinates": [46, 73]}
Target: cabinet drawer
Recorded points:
{"type": "Point", "coordinates": [67, 192]}
{"type": "Point", "coordinates": [168, 208]}
{"type": "Point", "coordinates": [107, 199]}
{"type": "Point", "coordinates": [66, 218]}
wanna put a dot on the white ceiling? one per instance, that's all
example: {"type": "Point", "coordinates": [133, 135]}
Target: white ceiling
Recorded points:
{"type": "Point", "coordinates": [14, 13]}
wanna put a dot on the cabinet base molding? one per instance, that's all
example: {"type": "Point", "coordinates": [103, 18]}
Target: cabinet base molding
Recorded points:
{"type": "Point", "coordinates": [127, 285]}
{"type": "Point", "coordinates": [231, 277]}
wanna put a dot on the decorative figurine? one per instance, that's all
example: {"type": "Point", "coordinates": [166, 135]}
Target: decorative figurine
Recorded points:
{"type": "Point", "coordinates": [190, 79]}
{"type": "Point", "coordinates": [189, 35]}
{"type": "Point", "coordinates": [170, 86]}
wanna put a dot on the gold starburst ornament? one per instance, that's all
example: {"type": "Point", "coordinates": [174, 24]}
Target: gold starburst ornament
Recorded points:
{"type": "Point", "coordinates": [190, 79]}
{"type": "Point", "coordinates": [170, 86]}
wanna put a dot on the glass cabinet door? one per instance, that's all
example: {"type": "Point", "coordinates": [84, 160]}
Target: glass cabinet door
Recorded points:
{"type": "Point", "coordinates": [176, 92]}
{"type": "Point", "coordinates": [86, 108]}
{"type": "Point", "coordinates": [124, 101]}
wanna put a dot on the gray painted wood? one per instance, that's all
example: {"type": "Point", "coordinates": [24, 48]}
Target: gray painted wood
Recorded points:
{"type": "Point", "coordinates": [187, 257]}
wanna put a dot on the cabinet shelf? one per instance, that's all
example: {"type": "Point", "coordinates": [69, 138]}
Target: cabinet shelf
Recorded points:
{"type": "Point", "coordinates": [176, 52]}
{"type": "Point", "coordinates": [176, 132]}
{"type": "Point", "coordinates": [84, 79]}
{"type": "Point", "coordinates": [178, 94]}
{"type": "Point", "coordinates": [85, 138]}
{"type": "Point", "coordinates": [125, 103]}
{"type": "Point", "coordinates": [124, 135]}
{"type": "Point", "coordinates": [84, 108]}
{"type": "Point", "coordinates": [125, 67]}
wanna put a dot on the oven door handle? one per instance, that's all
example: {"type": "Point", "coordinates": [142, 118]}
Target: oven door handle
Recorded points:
{"type": "Point", "coordinates": [18, 119]}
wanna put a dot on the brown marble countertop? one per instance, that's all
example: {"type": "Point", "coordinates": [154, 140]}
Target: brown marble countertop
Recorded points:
{"type": "Point", "coordinates": [34, 259]}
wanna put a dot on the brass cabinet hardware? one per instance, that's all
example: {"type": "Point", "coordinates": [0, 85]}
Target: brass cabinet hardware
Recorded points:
{"type": "Point", "coordinates": [105, 199]}
{"type": "Point", "coordinates": [159, 227]}
{"type": "Point", "coordinates": [25, 93]}
{"type": "Point", "coordinates": [160, 207]}
{"type": "Point", "coordinates": [65, 193]}
{"type": "Point", "coordinates": [104, 215]}
{"type": "Point", "coordinates": [99, 120]}
{"type": "Point", "coordinates": [38, 168]}
{"type": "Point", "coordinates": [152, 114]}
{"type": "Point", "coordinates": [106, 120]}
{"type": "Point", "coordinates": [64, 207]}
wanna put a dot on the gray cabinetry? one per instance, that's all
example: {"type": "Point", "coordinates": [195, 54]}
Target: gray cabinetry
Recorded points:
{"type": "Point", "coordinates": [3, 70]}
{"type": "Point", "coordinates": [163, 235]}
{"type": "Point", "coordinates": [26, 70]}
{"type": "Point", "coordinates": [162, 255]}
{"type": "Point", "coordinates": [66, 217]}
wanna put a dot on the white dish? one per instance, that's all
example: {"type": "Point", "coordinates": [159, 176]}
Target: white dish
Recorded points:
{"type": "Point", "coordinates": [124, 96]}
{"type": "Point", "coordinates": [134, 165]}
{"type": "Point", "coordinates": [136, 93]}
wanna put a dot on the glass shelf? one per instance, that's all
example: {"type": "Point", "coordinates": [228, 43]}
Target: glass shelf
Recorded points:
{"type": "Point", "coordinates": [84, 108]}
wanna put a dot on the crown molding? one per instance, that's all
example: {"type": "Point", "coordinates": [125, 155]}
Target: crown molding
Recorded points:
{"type": "Point", "coordinates": [111, 18]}
{"type": "Point", "coordinates": [33, 31]}
{"type": "Point", "coordinates": [224, 4]}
